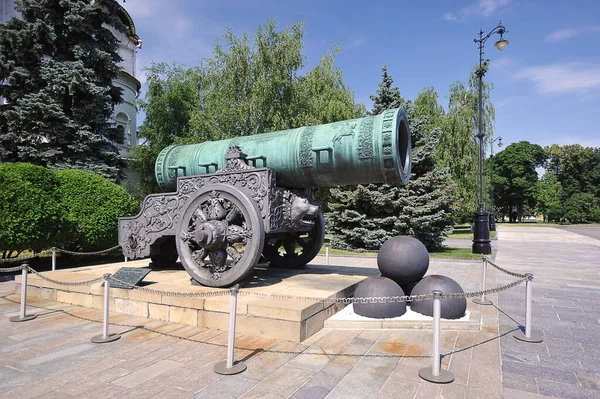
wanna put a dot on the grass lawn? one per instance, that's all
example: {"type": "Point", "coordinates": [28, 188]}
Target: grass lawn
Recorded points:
{"type": "Point", "coordinates": [548, 224]}
{"type": "Point", "coordinates": [464, 231]}
{"type": "Point", "coordinates": [452, 253]}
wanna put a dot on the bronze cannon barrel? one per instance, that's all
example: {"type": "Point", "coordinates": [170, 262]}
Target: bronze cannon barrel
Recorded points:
{"type": "Point", "coordinates": [373, 149]}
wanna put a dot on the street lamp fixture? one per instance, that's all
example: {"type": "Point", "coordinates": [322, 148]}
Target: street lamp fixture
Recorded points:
{"type": "Point", "coordinates": [492, 208]}
{"type": "Point", "coordinates": [481, 235]}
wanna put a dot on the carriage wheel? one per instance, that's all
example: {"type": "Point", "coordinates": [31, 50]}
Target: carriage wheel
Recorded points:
{"type": "Point", "coordinates": [296, 249]}
{"type": "Point", "coordinates": [220, 236]}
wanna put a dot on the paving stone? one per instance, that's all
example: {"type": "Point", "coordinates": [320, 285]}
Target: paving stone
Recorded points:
{"type": "Point", "coordinates": [311, 392]}
{"type": "Point", "coordinates": [231, 387]}
{"type": "Point", "coordinates": [519, 382]}
{"type": "Point", "coordinates": [529, 358]}
{"type": "Point", "coordinates": [367, 378]}
{"type": "Point", "coordinates": [589, 380]}
{"type": "Point", "coordinates": [518, 394]}
{"type": "Point", "coordinates": [546, 373]}
{"type": "Point", "coordinates": [283, 382]}
{"type": "Point", "coordinates": [52, 357]}
{"type": "Point", "coordinates": [147, 373]}
{"type": "Point", "coordinates": [428, 390]}
{"type": "Point", "coordinates": [452, 390]}
{"type": "Point", "coordinates": [565, 391]}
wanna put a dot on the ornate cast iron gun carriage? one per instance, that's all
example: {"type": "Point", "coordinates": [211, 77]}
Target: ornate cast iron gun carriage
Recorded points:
{"type": "Point", "coordinates": [228, 202]}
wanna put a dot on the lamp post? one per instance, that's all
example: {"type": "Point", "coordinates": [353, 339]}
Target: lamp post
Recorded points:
{"type": "Point", "coordinates": [492, 215]}
{"type": "Point", "coordinates": [481, 234]}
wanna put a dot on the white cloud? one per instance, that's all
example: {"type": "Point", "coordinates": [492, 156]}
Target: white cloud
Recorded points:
{"type": "Point", "coordinates": [483, 8]}
{"type": "Point", "coordinates": [448, 16]}
{"type": "Point", "coordinates": [573, 77]}
{"type": "Point", "coordinates": [354, 43]}
{"type": "Point", "coordinates": [565, 34]}
{"type": "Point", "coordinates": [487, 7]}
{"type": "Point", "coordinates": [501, 62]}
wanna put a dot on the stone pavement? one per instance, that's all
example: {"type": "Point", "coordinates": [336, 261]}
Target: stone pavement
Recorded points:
{"type": "Point", "coordinates": [52, 356]}
{"type": "Point", "coordinates": [566, 312]}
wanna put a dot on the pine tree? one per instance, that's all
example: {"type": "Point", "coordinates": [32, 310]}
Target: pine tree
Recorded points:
{"type": "Point", "coordinates": [364, 217]}
{"type": "Point", "coordinates": [387, 97]}
{"type": "Point", "coordinates": [59, 60]}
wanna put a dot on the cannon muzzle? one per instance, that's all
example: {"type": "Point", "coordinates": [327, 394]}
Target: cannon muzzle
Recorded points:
{"type": "Point", "coordinates": [373, 149]}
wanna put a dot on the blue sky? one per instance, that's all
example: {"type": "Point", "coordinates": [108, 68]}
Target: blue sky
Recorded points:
{"type": "Point", "coordinates": [547, 81]}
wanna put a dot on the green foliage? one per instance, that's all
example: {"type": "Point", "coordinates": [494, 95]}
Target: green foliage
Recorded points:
{"type": "Point", "coordinates": [364, 217]}
{"type": "Point", "coordinates": [548, 196]}
{"type": "Point", "coordinates": [92, 205]}
{"type": "Point", "coordinates": [386, 96]}
{"type": "Point", "coordinates": [582, 208]}
{"type": "Point", "coordinates": [248, 86]}
{"type": "Point", "coordinates": [515, 177]}
{"type": "Point", "coordinates": [31, 214]}
{"type": "Point", "coordinates": [577, 168]}
{"type": "Point", "coordinates": [457, 150]}
{"type": "Point", "coordinates": [60, 60]}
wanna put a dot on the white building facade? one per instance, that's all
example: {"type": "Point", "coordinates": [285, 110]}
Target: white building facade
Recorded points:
{"type": "Point", "coordinates": [124, 114]}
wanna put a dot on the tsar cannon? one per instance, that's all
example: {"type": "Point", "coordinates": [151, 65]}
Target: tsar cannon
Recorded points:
{"type": "Point", "coordinates": [228, 202]}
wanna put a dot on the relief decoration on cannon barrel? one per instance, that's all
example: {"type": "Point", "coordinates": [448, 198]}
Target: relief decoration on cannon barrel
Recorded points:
{"type": "Point", "coordinates": [365, 138]}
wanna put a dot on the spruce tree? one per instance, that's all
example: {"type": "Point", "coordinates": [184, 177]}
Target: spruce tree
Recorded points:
{"type": "Point", "coordinates": [58, 61]}
{"type": "Point", "coordinates": [364, 217]}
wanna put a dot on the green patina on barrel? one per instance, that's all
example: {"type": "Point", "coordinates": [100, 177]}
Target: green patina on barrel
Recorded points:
{"type": "Point", "coordinates": [373, 149]}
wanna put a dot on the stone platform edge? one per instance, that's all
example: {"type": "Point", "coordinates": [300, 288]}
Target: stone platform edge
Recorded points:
{"type": "Point", "coordinates": [290, 320]}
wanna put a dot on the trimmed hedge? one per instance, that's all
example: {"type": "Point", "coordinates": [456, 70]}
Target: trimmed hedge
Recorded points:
{"type": "Point", "coordinates": [30, 213]}
{"type": "Point", "coordinates": [70, 209]}
{"type": "Point", "coordinates": [92, 205]}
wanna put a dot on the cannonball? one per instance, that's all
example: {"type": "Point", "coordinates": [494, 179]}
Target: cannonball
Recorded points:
{"type": "Point", "coordinates": [376, 287]}
{"type": "Point", "coordinates": [452, 308]}
{"type": "Point", "coordinates": [407, 288]}
{"type": "Point", "coordinates": [404, 259]}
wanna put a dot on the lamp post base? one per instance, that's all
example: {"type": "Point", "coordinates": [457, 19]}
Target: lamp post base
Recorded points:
{"type": "Point", "coordinates": [492, 221]}
{"type": "Point", "coordinates": [481, 235]}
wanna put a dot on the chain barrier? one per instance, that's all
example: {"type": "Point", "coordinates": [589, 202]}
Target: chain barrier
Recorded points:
{"type": "Point", "coordinates": [513, 274]}
{"type": "Point", "coordinates": [11, 269]}
{"type": "Point", "coordinates": [486, 292]}
{"type": "Point", "coordinates": [380, 299]}
{"type": "Point", "coordinates": [223, 292]}
{"type": "Point", "coordinates": [11, 260]}
{"type": "Point", "coordinates": [46, 251]}
{"type": "Point", "coordinates": [88, 253]}
{"type": "Point", "coordinates": [67, 283]}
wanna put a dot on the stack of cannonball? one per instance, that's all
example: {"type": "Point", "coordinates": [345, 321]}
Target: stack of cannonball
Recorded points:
{"type": "Point", "coordinates": [403, 261]}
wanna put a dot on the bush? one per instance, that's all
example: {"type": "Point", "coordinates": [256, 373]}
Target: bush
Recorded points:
{"type": "Point", "coordinates": [93, 205]}
{"type": "Point", "coordinates": [30, 214]}
{"type": "Point", "coordinates": [581, 208]}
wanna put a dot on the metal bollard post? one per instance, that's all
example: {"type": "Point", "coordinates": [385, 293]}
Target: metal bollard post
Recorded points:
{"type": "Point", "coordinates": [227, 367]}
{"type": "Point", "coordinates": [23, 316]}
{"type": "Point", "coordinates": [483, 300]}
{"type": "Point", "coordinates": [327, 254]}
{"type": "Point", "coordinates": [435, 373]}
{"type": "Point", "coordinates": [527, 336]}
{"type": "Point", "coordinates": [106, 337]}
{"type": "Point", "coordinates": [53, 258]}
